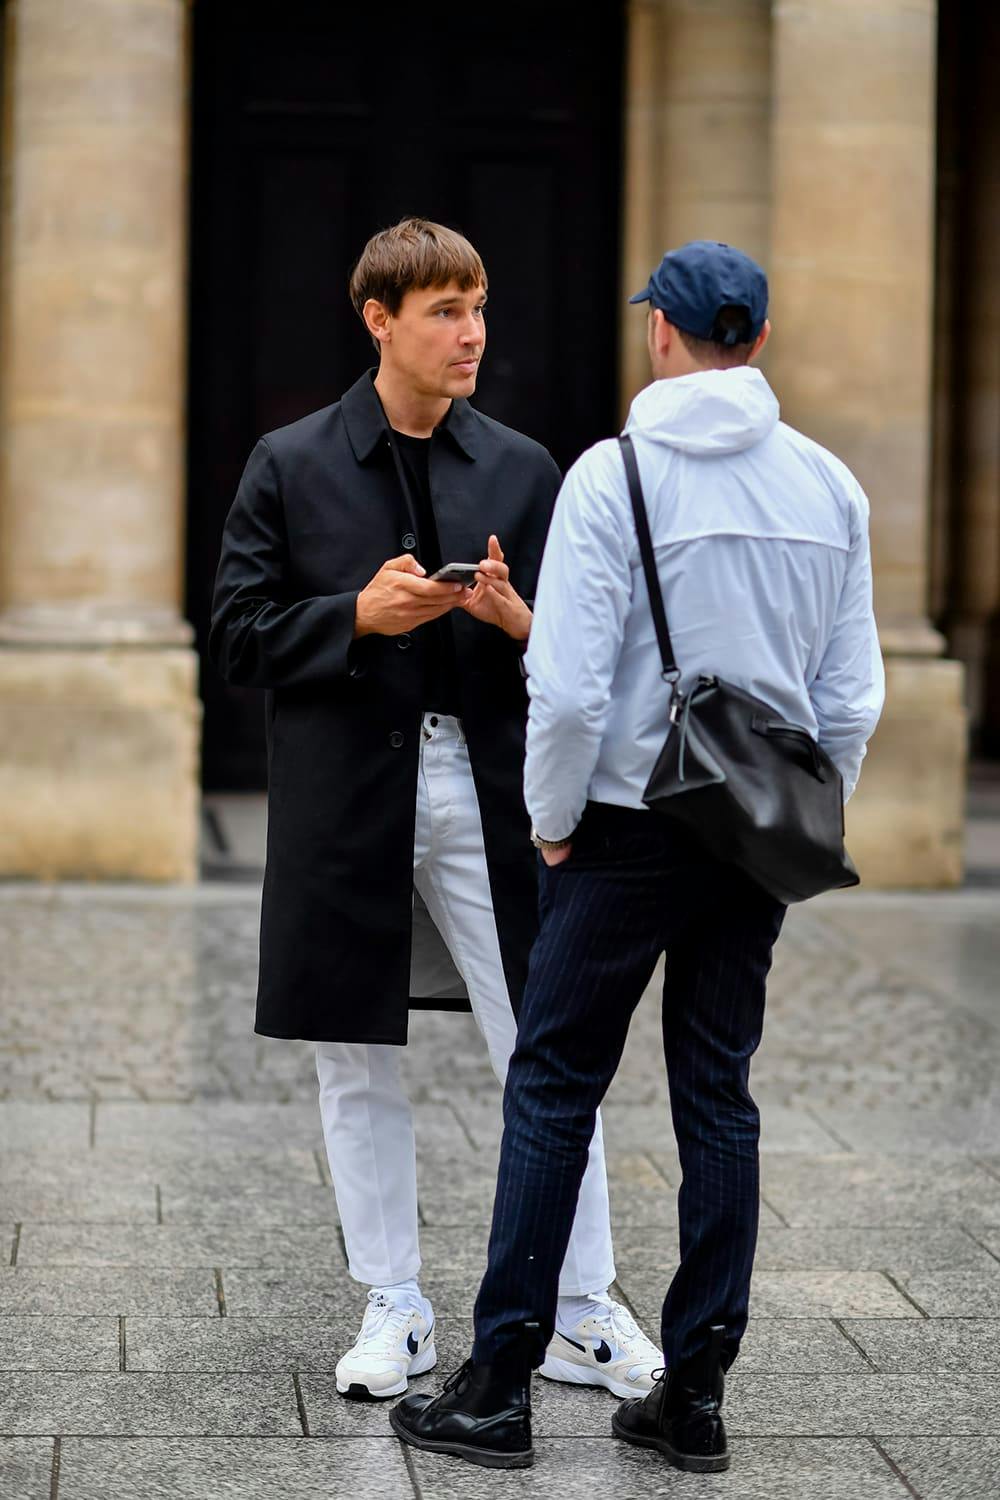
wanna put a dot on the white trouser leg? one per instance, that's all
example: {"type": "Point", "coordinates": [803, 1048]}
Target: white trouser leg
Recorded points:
{"type": "Point", "coordinates": [370, 1146]}
{"type": "Point", "coordinates": [368, 1130]}
{"type": "Point", "coordinates": [453, 881]}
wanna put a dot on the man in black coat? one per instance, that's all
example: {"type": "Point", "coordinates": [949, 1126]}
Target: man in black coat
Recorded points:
{"type": "Point", "coordinates": [396, 710]}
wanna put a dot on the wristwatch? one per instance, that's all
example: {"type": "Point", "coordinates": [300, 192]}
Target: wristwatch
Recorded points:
{"type": "Point", "coordinates": [541, 843]}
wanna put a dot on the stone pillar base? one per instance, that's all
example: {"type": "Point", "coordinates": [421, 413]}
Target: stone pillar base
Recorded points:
{"type": "Point", "coordinates": [905, 823]}
{"type": "Point", "coordinates": [99, 766]}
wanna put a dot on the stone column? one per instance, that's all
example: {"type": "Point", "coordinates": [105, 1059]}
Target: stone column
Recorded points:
{"type": "Point", "coordinates": [974, 617]}
{"type": "Point", "coordinates": [852, 291]}
{"type": "Point", "coordinates": [99, 715]}
{"type": "Point", "coordinates": [697, 141]}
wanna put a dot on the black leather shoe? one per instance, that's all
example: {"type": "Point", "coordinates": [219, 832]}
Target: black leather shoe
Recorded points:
{"type": "Point", "coordinates": [680, 1417]}
{"type": "Point", "coordinates": [483, 1414]}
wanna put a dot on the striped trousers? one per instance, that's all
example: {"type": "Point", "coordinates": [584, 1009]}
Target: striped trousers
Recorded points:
{"type": "Point", "coordinates": [635, 886]}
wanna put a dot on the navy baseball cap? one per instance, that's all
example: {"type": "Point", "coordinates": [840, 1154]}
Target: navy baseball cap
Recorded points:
{"type": "Point", "coordinates": [691, 285]}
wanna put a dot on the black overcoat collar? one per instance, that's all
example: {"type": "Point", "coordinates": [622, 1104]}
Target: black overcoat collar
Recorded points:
{"type": "Point", "coordinates": [366, 423]}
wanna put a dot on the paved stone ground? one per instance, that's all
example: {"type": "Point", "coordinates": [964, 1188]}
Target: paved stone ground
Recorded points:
{"type": "Point", "coordinates": [174, 1294]}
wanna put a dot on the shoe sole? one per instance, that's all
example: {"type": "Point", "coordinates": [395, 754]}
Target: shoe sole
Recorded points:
{"type": "Point", "coordinates": [691, 1463]}
{"type": "Point", "coordinates": [488, 1458]}
{"type": "Point", "coordinates": [571, 1374]}
{"type": "Point", "coordinates": [356, 1390]}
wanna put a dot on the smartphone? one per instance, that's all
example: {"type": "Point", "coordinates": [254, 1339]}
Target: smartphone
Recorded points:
{"type": "Point", "coordinates": [456, 573]}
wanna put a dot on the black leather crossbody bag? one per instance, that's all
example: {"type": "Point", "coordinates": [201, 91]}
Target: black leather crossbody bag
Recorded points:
{"type": "Point", "coordinates": [756, 791]}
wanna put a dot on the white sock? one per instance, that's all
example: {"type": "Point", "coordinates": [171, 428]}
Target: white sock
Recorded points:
{"type": "Point", "coordinates": [407, 1293]}
{"type": "Point", "coordinates": [572, 1310]}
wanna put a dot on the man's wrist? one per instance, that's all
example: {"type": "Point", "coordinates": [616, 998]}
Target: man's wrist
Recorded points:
{"type": "Point", "coordinates": [541, 843]}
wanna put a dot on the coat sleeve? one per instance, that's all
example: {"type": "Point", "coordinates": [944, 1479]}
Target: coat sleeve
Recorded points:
{"type": "Point", "coordinates": [849, 689]}
{"type": "Point", "coordinates": [261, 637]}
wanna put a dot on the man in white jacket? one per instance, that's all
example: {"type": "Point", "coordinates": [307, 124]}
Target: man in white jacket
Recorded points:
{"type": "Point", "coordinates": [761, 545]}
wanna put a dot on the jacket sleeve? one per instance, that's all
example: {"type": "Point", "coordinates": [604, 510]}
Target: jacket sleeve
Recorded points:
{"type": "Point", "coordinates": [848, 691]}
{"type": "Point", "coordinates": [583, 599]}
{"type": "Point", "coordinates": [260, 636]}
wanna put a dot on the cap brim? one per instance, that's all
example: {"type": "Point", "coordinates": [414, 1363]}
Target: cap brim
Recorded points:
{"type": "Point", "coordinates": [642, 296]}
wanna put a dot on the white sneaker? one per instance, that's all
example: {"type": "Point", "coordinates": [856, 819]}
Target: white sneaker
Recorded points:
{"type": "Point", "coordinates": [395, 1341]}
{"type": "Point", "coordinates": [608, 1349]}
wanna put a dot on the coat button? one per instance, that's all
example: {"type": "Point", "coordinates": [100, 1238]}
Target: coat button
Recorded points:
{"type": "Point", "coordinates": [409, 541]}
{"type": "Point", "coordinates": [396, 739]}
{"type": "Point", "coordinates": [404, 642]}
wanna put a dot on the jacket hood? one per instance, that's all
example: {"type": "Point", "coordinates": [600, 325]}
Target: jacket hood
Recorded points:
{"type": "Point", "coordinates": [711, 412]}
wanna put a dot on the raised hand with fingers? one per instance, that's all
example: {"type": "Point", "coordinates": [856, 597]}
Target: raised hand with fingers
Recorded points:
{"type": "Point", "coordinates": [400, 597]}
{"type": "Point", "coordinates": [494, 600]}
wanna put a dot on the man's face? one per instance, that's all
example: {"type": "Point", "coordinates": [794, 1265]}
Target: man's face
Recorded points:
{"type": "Point", "coordinates": [437, 339]}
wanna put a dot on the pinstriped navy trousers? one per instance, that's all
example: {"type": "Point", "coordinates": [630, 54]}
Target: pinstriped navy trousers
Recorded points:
{"type": "Point", "coordinates": [635, 886]}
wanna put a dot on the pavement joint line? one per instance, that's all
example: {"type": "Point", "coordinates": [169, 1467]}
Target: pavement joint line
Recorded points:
{"type": "Point", "coordinates": [823, 1125]}
{"type": "Point", "coordinates": [300, 1403]}
{"type": "Point", "coordinates": [15, 1245]}
{"type": "Point", "coordinates": [220, 1291]}
{"type": "Point", "coordinates": [92, 1122]}
{"type": "Point", "coordinates": [852, 1340]}
{"type": "Point", "coordinates": [979, 1161]}
{"type": "Point", "coordinates": [895, 1469]}
{"type": "Point", "coordinates": [776, 1211]}
{"type": "Point", "coordinates": [343, 1244]}
{"type": "Point", "coordinates": [964, 1229]}
{"type": "Point", "coordinates": [462, 1125]}
{"type": "Point", "coordinates": [121, 1343]}
{"type": "Point", "coordinates": [159, 1204]}
{"type": "Point", "coordinates": [411, 1470]}
{"type": "Point", "coordinates": [56, 1460]}
{"type": "Point", "coordinates": [903, 1293]}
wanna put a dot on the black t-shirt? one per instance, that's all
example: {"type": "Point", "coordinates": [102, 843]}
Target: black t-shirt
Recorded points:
{"type": "Point", "coordinates": [441, 686]}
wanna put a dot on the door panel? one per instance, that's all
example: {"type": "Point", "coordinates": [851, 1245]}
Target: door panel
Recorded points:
{"type": "Point", "coordinates": [312, 128]}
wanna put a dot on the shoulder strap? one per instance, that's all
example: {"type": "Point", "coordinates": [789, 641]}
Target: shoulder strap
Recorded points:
{"type": "Point", "coordinates": [670, 668]}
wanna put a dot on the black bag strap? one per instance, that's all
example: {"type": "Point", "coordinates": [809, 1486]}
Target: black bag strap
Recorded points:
{"type": "Point", "coordinates": [671, 671]}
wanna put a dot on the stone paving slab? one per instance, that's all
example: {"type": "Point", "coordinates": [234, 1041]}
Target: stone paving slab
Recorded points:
{"type": "Point", "coordinates": [182, 1245]}
{"type": "Point", "coordinates": [27, 1123]}
{"type": "Point", "coordinates": [94, 1200]}
{"type": "Point", "coordinates": [876, 1190]}
{"type": "Point", "coordinates": [267, 1203]}
{"type": "Point", "coordinates": [899, 1251]}
{"type": "Point", "coordinates": [276, 1468]}
{"type": "Point", "coordinates": [140, 1405]}
{"type": "Point", "coordinates": [791, 1294]}
{"type": "Point", "coordinates": [762, 1469]}
{"type": "Point", "coordinates": [301, 1292]}
{"type": "Point", "coordinates": [947, 1468]}
{"type": "Point", "coordinates": [863, 1405]}
{"type": "Point", "coordinates": [109, 1290]}
{"type": "Point", "coordinates": [59, 1343]}
{"type": "Point", "coordinates": [952, 1296]}
{"type": "Point", "coordinates": [122, 1168]}
{"type": "Point", "coordinates": [26, 1468]}
{"type": "Point", "coordinates": [224, 1126]}
{"type": "Point", "coordinates": [927, 1344]}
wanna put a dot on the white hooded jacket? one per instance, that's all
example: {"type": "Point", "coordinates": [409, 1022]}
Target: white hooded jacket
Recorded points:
{"type": "Point", "coordinates": [761, 542]}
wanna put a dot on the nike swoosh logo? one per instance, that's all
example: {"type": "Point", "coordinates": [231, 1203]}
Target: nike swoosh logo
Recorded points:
{"type": "Point", "coordinates": [412, 1344]}
{"type": "Point", "coordinates": [582, 1347]}
{"type": "Point", "coordinates": [602, 1353]}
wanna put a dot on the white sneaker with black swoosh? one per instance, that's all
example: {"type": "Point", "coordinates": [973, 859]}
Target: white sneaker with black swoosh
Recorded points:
{"type": "Point", "coordinates": [395, 1342]}
{"type": "Point", "coordinates": [607, 1348]}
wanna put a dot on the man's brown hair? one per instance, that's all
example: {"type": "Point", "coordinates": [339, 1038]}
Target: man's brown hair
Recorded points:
{"type": "Point", "coordinates": [716, 355]}
{"type": "Point", "coordinates": [411, 256]}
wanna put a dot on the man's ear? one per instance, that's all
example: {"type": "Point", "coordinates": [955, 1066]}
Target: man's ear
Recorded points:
{"type": "Point", "coordinates": [663, 332]}
{"type": "Point", "coordinates": [377, 320]}
{"type": "Point", "coordinates": [761, 340]}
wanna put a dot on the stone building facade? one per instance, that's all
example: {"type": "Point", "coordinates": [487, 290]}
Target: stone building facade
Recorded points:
{"type": "Point", "coordinates": [850, 144]}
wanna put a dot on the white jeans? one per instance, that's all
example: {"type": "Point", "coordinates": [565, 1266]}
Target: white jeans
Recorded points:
{"type": "Point", "coordinates": [367, 1122]}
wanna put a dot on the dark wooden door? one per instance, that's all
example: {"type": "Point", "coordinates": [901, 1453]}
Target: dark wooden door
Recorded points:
{"type": "Point", "coordinates": [315, 124]}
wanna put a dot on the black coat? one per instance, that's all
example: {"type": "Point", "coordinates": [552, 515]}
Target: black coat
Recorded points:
{"type": "Point", "coordinates": [318, 510]}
